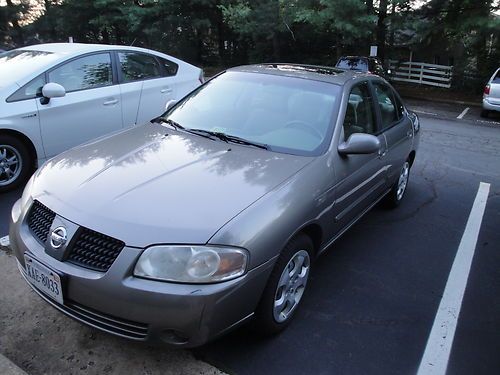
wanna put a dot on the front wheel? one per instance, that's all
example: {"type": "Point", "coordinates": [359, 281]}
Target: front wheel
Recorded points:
{"type": "Point", "coordinates": [286, 286]}
{"type": "Point", "coordinates": [398, 190]}
{"type": "Point", "coordinates": [15, 163]}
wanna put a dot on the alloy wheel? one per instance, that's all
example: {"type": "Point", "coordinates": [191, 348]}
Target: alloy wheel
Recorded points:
{"type": "Point", "coordinates": [10, 164]}
{"type": "Point", "coordinates": [403, 180]}
{"type": "Point", "coordinates": [291, 286]}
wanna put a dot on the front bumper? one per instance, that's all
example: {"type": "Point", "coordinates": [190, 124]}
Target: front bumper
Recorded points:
{"type": "Point", "coordinates": [489, 105]}
{"type": "Point", "coordinates": [183, 315]}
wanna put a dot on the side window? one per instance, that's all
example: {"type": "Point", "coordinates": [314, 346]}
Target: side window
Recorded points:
{"type": "Point", "coordinates": [359, 114]}
{"type": "Point", "coordinates": [85, 73]}
{"type": "Point", "coordinates": [169, 67]}
{"type": "Point", "coordinates": [138, 66]}
{"type": "Point", "coordinates": [399, 106]}
{"type": "Point", "coordinates": [29, 90]}
{"type": "Point", "coordinates": [386, 103]}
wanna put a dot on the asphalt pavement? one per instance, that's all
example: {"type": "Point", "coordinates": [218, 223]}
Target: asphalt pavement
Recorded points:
{"type": "Point", "coordinates": [372, 298]}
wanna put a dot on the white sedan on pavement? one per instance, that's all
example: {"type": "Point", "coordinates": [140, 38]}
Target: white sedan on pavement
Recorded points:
{"type": "Point", "coordinates": [56, 96]}
{"type": "Point", "coordinates": [491, 95]}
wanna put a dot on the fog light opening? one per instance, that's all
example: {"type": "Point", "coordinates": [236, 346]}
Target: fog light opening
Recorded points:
{"type": "Point", "coordinates": [171, 336]}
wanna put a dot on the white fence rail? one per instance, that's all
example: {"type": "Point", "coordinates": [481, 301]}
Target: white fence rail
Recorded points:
{"type": "Point", "coordinates": [422, 73]}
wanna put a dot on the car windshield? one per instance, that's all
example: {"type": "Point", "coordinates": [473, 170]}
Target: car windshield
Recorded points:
{"type": "Point", "coordinates": [16, 64]}
{"type": "Point", "coordinates": [287, 114]}
{"type": "Point", "coordinates": [353, 63]}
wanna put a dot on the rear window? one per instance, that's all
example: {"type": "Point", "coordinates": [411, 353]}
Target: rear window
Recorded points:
{"type": "Point", "coordinates": [353, 63]}
{"type": "Point", "coordinates": [496, 79]}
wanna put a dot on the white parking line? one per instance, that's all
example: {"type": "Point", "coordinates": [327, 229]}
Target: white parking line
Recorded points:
{"type": "Point", "coordinates": [464, 112]}
{"type": "Point", "coordinates": [437, 351]}
{"type": "Point", "coordinates": [424, 112]}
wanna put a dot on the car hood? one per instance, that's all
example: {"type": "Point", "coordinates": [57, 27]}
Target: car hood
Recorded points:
{"type": "Point", "coordinates": [151, 185]}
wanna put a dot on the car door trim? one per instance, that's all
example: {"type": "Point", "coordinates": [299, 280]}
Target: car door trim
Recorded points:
{"type": "Point", "coordinates": [354, 221]}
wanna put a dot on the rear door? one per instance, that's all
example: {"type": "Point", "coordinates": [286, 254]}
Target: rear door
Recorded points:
{"type": "Point", "coordinates": [362, 178]}
{"type": "Point", "coordinates": [396, 127]}
{"type": "Point", "coordinates": [91, 107]}
{"type": "Point", "coordinates": [145, 86]}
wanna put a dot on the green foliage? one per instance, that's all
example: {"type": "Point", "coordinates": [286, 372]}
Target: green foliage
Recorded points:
{"type": "Point", "coordinates": [229, 32]}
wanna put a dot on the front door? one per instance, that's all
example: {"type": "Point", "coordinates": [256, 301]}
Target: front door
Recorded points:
{"type": "Point", "coordinates": [91, 107]}
{"type": "Point", "coordinates": [361, 178]}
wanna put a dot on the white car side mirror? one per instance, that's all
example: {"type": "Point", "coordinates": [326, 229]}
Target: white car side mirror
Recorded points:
{"type": "Point", "coordinates": [52, 90]}
{"type": "Point", "coordinates": [170, 104]}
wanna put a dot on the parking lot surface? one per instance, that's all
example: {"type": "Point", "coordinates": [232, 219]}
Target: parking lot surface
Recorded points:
{"type": "Point", "coordinates": [372, 298]}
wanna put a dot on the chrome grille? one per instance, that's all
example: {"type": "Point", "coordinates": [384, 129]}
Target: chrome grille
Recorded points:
{"type": "Point", "coordinates": [40, 219]}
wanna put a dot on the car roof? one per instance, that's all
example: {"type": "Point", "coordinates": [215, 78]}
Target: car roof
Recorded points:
{"type": "Point", "coordinates": [359, 57]}
{"type": "Point", "coordinates": [77, 48]}
{"type": "Point", "coordinates": [327, 74]}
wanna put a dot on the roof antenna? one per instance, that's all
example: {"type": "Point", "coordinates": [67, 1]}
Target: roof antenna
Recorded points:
{"type": "Point", "coordinates": [131, 44]}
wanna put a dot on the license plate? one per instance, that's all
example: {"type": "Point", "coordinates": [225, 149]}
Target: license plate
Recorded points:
{"type": "Point", "coordinates": [43, 278]}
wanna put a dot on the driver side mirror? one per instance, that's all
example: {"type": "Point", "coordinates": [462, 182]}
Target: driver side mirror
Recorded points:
{"type": "Point", "coordinates": [52, 90]}
{"type": "Point", "coordinates": [359, 143]}
{"type": "Point", "coordinates": [170, 104]}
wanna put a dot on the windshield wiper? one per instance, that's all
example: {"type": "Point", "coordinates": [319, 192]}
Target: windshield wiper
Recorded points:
{"type": "Point", "coordinates": [230, 138]}
{"type": "Point", "coordinates": [172, 123]}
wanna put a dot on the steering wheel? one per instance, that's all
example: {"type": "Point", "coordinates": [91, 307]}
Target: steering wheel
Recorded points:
{"type": "Point", "coordinates": [304, 126]}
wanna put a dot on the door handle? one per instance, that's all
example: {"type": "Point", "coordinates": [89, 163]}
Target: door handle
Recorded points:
{"type": "Point", "coordinates": [110, 102]}
{"type": "Point", "coordinates": [382, 153]}
{"type": "Point", "coordinates": [166, 90]}
{"type": "Point", "coordinates": [409, 134]}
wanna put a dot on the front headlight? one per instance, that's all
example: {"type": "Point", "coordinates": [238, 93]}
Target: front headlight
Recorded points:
{"type": "Point", "coordinates": [191, 264]}
{"type": "Point", "coordinates": [19, 206]}
{"type": "Point", "coordinates": [25, 198]}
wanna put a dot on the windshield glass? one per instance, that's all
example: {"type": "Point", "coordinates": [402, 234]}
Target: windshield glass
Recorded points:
{"type": "Point", "coordinates": [287, 114]}
{"type": "Point", "coordinates": [353, 63]}
{"type": "Point", "coordinates": [16, 64]}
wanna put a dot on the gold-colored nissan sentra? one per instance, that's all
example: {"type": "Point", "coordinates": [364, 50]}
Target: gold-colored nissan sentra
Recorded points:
{"type": "Point", "coordinates": [212, 214]}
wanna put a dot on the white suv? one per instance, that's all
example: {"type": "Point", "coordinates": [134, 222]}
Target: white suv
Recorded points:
{"type": "Point", "coordinates": [491, 96]}
{"type": "Point", "coordinates": [56, 96]}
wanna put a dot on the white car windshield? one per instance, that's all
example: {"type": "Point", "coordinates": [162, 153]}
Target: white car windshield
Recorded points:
{"type": "Point", "coordinates": [287, 114]}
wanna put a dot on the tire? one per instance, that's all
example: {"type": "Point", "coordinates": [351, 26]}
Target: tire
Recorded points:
{"type": "Point", "coordinates": [398, 190]}
{"type": "Point", "coordinates": [272, 316]}
{"type": "Point", "coordinates": [16, 164]}
{"type": "Point", "coordinates": [485, 113]}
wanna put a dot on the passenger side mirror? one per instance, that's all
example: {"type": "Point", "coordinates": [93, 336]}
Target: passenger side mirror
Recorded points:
{"type": "Point", "coordinates": [359, 143]}
{"type": "Point", "coordinates": [52, 90]}
{"type": "Point", "coordinates": [170, 104]}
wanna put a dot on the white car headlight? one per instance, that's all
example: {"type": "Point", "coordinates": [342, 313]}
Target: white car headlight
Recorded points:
{"type": "Point", "coordinates": [191, 264]}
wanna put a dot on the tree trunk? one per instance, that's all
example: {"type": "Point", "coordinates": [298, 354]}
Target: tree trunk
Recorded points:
{"type": "Point", "coordinates": [19, 38]}
{"type": "Point", "coordinates": [393, 27]}
{"type": "Point", "coordinates": [381, 28]}
{"type": "Point", "coordinates": [369, 7]}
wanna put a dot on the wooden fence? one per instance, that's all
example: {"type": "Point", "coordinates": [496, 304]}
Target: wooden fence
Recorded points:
{"type": "Point", "coordinates": [421, 73]}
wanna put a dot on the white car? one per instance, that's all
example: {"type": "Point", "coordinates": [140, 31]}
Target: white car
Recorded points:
{"type": "Point", "coordinates": [57, 96]}
{"type": "Point", "coordinates": [491, 95]}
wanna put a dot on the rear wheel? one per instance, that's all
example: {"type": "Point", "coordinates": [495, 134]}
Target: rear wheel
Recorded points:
{"type": "Point", "coordinates": [15, 163]}
{"type": "Point", "coordinates": [485, 113]}
{"type": "Point", "coordinates": [398, 190]}
{"type": "Point", "coordinates": [286, 286]}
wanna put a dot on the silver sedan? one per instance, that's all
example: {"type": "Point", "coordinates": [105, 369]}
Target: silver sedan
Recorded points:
{"type": "Point", "coordinates": [213, 214]}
